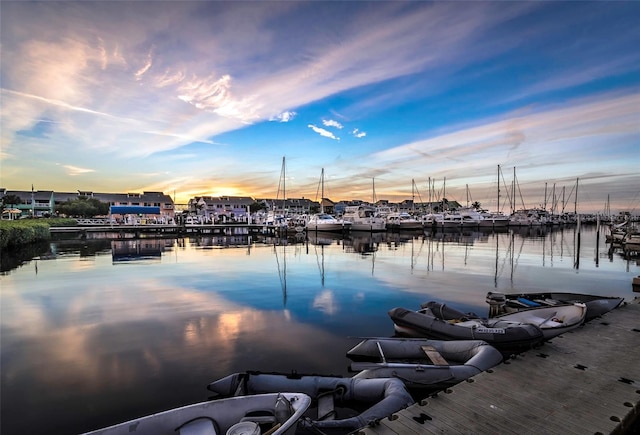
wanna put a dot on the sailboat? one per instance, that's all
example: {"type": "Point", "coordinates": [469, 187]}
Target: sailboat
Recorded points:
{"type": "Point", "coordinates": [323, 221]}
{"type": "Point", "coordinates": [495, 219]}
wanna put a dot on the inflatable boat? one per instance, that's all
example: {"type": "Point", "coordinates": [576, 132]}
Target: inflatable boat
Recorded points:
{"type": "Point", "coordinates": [500, 303]}
{"type": "Point", "coordinates": [553, 321]}
{"type": "Point", "coordinates": [449, 324]}
{"type": "Point", "coordinates": [368, 400]}
{"type": "Point", "coordinates": [275, 413]}
{"type": "Point", "coordinates": [426, 365]}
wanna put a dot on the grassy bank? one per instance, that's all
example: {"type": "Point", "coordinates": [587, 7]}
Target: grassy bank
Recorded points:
{"type": "Point", "coordinates": [25, 231]}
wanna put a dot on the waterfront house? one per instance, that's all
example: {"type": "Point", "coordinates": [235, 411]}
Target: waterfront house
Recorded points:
{"type": "Point", "coordinates": [216, 209]}
{"type": "Point", "coordinates": [43, 203]}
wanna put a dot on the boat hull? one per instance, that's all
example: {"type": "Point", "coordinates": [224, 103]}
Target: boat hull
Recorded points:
{"type": "Point", "coordinates": [507, 303]}
{"type": "Point", "coordinates": [425, 365]}
{"type": "Point", "coordinates": [507, 339]}
{"type": "Point", "coordinates": [380, 397]}
{"type": "Point", "coordinates": [217, 416]}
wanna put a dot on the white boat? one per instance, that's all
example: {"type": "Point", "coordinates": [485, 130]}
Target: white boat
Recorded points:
{"type": "Point", "coordinates": [471, 218]}
{"type": "Point", "coordinates": [378, 398]}
{"type": "Point", "coordinates": [276, 413]}
{"type": "Point", "coordinates": [326, 222]}
{"type": "Point", "coordinates": [494, 220]}
{"type": "Point", "coordinates": [403, 222]}
{"type": "Point", "coordinates": [363, 218]}
{"type": "Point", "coordinates": [323, 221]}
{"type": "Point", "coordinates": [449, 220]}
{"type": "Point", "coordinates": [426, 365]}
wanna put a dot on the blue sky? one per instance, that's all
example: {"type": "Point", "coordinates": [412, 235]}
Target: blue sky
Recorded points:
{"type": "Point", "coordinates": [206, 98]}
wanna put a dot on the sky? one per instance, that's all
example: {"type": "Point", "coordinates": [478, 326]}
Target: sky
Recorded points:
{"type": "Point", "coordinates": [389, 100]}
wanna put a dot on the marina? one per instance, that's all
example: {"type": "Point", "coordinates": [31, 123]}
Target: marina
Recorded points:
{"type": "Point", "coordinates": [102, 330]}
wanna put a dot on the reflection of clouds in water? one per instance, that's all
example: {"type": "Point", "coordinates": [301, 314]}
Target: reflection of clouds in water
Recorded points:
{"type": "Point", "coordinates": [326, 303]}
{"type": "Point", "coordinates": [91, 340]}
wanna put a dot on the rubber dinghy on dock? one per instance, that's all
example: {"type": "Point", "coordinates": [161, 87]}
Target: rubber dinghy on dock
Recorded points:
{"type": "Point", "coordinates": [500, 303]}
{"type": "Point", "coordinates": [552, 321]}
{"type": "Point", "coordinates": [275, 413]}
{"type": "Point", "coordinates": [374, 399]}
{"type": "Point", "coordinates": [423, 365]}
{"type": "Point", "coordinates": [508, 337]}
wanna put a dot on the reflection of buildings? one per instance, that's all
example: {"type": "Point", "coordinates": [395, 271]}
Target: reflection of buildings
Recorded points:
{"type": "Point", "coordinates": [137, 250]}
{"type": "Point", "coordinates": [239, 240]}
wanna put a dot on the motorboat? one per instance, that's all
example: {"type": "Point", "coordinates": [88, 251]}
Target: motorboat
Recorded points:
{"type": "Point", "coordinates": [363, 218]}
{"type": "Point", "coordinates": [500, 303]}
{"type": "Point", "coordinates": [425, 365]}
{"type": "Point", "coordinates": [276, 413]}
{"type": "Point", "coordinates": [553, 321]}
{"type": "Point", "coordinates": [326, 222]}
{"type": "Point", "coordinates": [450, 324]}
{"type": "Point", "coordinates": [403, 222]}
{"type": "Point", "coordinates": [343, 404]}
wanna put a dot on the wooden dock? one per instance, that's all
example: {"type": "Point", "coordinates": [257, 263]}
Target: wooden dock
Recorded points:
{"type": "Point", "coordinates": [582, 382]}
{"type": "Point", "coordinates": [138, 231]}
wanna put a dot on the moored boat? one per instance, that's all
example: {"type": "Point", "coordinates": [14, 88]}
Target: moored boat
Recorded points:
{"type": "Point", "coordinates": [363, 218]}
{"type": "Point", "coordinates": [422, 364]}
{"type": "Point", "coordinates": [501, 303]}
{"type": "Point", "coordinates": [508, 337]}
{"type": "Point", "coordinates": [375, 398]}
{"type": "Point", "coordinates": [276, 413]}
{"type": "Point", "coordinates": [403, 222]}
{"type": "Point", "coordinates": [553, 321]}
{"type": "Point", "coordinates": [326, 222]}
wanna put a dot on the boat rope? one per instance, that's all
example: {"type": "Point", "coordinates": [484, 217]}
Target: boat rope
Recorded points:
{"type": "Point", "coordinates": [311, 426]}
{"type": "Point", "coordinates": [413, 381]}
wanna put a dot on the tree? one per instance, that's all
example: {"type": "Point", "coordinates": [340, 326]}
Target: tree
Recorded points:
{"type": "Point", "coordinates": [10, 200]}
{"type": "Point", "coordinates": [476, 205]}
{"type": "Point", "coordinates": [257, 206]}
{"type": "Point", "coordinates": [84, 207]}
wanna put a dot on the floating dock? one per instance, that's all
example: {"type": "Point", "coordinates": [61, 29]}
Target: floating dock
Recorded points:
{"type": "Point", "coordinates": [586, 381]}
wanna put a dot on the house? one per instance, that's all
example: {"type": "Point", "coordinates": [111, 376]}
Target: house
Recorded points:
{"type": "Point", "coordinates": [42, 203]}
{"type": "Point", "coordinates": [220, 208]}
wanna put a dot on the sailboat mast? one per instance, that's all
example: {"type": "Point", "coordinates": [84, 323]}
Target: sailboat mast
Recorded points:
{"type": "Point", "coordinates": [467, 187]}
{"type": "Point", "coordinates": [575, 207]}
{"type": "Point", "coordinates": [413, 196]}
{"type": "Point", "coordinates": [322, 192]}
{"type": "Point", "coordinates": [373, 185]}
{"type": "Point", "coordinates": [498, 210]}
{"type": "Point", "coordinates": [514, 190]}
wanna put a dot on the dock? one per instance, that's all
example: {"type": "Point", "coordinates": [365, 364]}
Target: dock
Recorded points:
{"type": "Point", "coordinates": [153, 230]}
{"type": "Point", "coordinates": [586, 381]}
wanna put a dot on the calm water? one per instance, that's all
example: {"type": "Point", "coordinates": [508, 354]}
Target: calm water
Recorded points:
{"type": "Point", "coordinates": [96, 332]}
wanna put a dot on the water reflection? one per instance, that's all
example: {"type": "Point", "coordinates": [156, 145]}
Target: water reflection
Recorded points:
{"type": "Point", "coordinates": [87, 342]}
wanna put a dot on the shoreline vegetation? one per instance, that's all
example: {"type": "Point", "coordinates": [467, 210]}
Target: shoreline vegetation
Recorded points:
{"type": "Point", "coordinates": [14, 234]}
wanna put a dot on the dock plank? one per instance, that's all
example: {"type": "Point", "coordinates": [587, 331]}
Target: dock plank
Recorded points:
{"type": "Point", "coordinates": [585, 381]}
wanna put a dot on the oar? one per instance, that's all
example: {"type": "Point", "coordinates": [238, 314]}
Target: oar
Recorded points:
{"type": "Point", "coordinates": [548, 318]}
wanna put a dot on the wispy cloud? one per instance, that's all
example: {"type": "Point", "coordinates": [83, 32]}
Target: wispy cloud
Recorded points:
{"type": "Point", "coordinates": [332, 123]}
{"type": "Point", "coordinates": [359, 134]}
{"type": "Point", "coordinates": [557, 134]}
{"type": "Point", "coordinates": [286, 116]}
{"type": "Point", "coordinates": [74, 170]}
{"type": "Point", "coordinates": [323, 132]}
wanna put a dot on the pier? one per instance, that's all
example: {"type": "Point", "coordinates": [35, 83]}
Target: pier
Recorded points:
{"type": "Point", "coordinates": [140, 231]}
{"type": "Point", "coordinates": [586, 381]}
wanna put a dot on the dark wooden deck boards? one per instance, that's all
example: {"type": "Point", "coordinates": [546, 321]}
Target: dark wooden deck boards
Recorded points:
{"type": "Point", "coordinates": [584, 382]}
